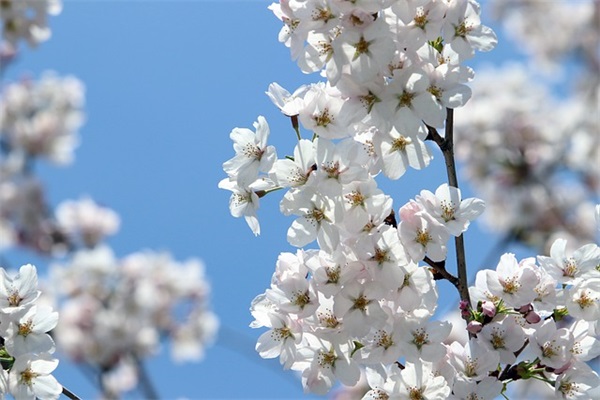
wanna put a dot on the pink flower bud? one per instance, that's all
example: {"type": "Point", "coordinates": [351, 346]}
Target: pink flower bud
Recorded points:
{"type": "Point", "coordinates": [562, 369]}
{"type": "Point", "coordinates": [474, 327]}
{"type": "Point", "coordinates": [526, 309]}
{"type": "Point", "coordinates": [488, 308]}
{"type": "Point", "coordinates": [532, 317]}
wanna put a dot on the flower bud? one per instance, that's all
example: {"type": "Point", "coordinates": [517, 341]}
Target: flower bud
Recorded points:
{"type": "Point", "coordinates": [532, 317]}
{"type": "Point", "coordinates": [474, 327]}
{"type": "Point", "coordinates": [488, 308]}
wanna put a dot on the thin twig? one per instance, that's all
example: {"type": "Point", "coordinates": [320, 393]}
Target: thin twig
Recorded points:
{"type": "Point", "coordinates": [70, 394]}
{"type": "Point", "coordinates": [440, 268]}
{"type": "Point", "coordinates": [146, 385]}
{"type": "Point", "coordinates": [446, 144]}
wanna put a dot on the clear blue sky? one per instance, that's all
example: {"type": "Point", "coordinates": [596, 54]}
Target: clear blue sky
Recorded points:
{"type": "Point", "coordinates": [166, 82]}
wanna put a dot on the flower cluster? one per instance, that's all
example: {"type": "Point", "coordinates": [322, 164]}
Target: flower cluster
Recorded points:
{"type": "Point", "coordinates": [531, 154]}
{"type": "Point", "coordinates": [41, 119]}
{"type": "Point", "coordinates": [518, 145]}
{"type": "Point", "coordinates": [115, 311]}
{"type": "Point", "coordinates": [27, 20]}
{"type": "Point", "coordinates": [542, 318]}
{"type": "Point", "coordinates": [37, 120]}
{"type": "Point", "coordinates": [27, 348]}
{"type": "Point", "coordinates": [360, 301]}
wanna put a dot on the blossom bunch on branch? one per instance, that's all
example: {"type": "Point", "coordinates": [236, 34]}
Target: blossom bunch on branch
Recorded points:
{"type": "Point", "coordinates": [365, 298]}
{"type": "Point", "coordinates": [27, 348]}
{"type": "Point", "coordinates": [115, 313]}
{"type": "Point", "coordinates": [529, 141]}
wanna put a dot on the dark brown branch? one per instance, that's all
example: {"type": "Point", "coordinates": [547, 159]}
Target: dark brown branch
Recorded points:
{"type": "Point", "coordinates": [69, 394]}
{"type": "Point", "coordinates": [446, 144]}
{"type": "Point", "coordinates": [440, 268]}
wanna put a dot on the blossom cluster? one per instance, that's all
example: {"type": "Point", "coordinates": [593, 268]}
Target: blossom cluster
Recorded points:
{"type": "Point", "coordinates": [542, 315]}
{"type": "Point", "coordinates": [115, 312]}
{"type": "Point", "coordinates": [38, 120]}
{"type": "Point", "coordinates": [26, 354]}
{"type": "Point", "coordinates": [533, 154]}
{"type": "Point", "coordinates": [27, 20]}
{"type": "Point", "coordinates": [394, 73]}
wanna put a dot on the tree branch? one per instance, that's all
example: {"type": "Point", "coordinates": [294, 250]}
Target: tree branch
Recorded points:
{"type": "Point", "coordinates": [440, 268]}
{"type": "Point", "coordinates": [446, 144]}
{"type": "Point", "coordinates": [69, 394]}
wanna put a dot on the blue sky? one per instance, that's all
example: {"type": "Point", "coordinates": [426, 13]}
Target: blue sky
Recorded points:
{"type": "Point", "coordinates": [166, 82]}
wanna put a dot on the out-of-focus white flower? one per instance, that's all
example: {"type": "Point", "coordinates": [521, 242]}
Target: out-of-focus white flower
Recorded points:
{"type": "Point", "coordinates": [112, 310]}
{"type": "Point", "coordinates": [42, 118]}
{"type": "Point", "coordinates": [27, 19]}
{"type": "Point", "coordinates": [87, 219]}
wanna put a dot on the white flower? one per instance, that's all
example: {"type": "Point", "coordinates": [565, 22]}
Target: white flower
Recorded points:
{"type": "Point", "coordinates": [512, 281]}
{"type": "Point", "coordinates": [244, 200]}
{"type": "Point", "coordinates": [576, 382]}
{"type": "Point", "coordinates": [421, 21]}
{"type": "Point", "coordinates": [88, 219]}
{"type": "Point", "coordinates": [418, 381]}
{"type": "Point", "coordinates": [583, 300]}
{"type": "Point", "coordinates": [384, 257]}
{"type": "Point", "coordinates": [42, 119]}
{"type": "Point", "coordinates": [295, 172]}
{"type": "Point", "coordinates": [408, 103]}
{"type": "Point", "coordinates": [30, 378]}
{"type": "Point", "coordinates": [422, 339]}
{"type": "Point", "coordinates": [417, 291]}
{"type": "Point", "coordinates": [383, 346]}
{"type": "Point", "coordinates": [321, 112]}
{"type": "Point", "coordinates": [362, 200]}
{"type": "Point", "coordinates": [361, 54]}
{"type": "Point", "coordinates": [463, 30]}
{"type": "Point", "coordinates": [421, 234]}
{"type": "Point", "coordinates": [318, 216]}
{"type": "Point", "coordinates": [358, 305]}
{"type": "Point", "coordinates": [570, 269]}
{"type": "Point", "coordinates": [252, 153]}
{"type": "Point", "coordinates": [551, 345]}
{"type": "Point", "coordinates": [447, 207]}
{"type": "Point", "coordinates": [474, 360]}
{"type": "Point", "coordinates": [331, 272]}
{"type": "Point", "coordinates": [338, 164]}
{"type": "Point", "coordinates": [295, 295]}
{"type": "Point", "coordinates": [29, 333]}
{"type": "Point", "coordinates": [505, 337]}
{"type": "Point", "coordinates": [27, 19]}
{"type": "Point", "coordinates": [281, 340]}
{"type": "Point", "coordinates": [487, 389]}
{"type": "Point", "coordinates": [329, 361]}
{"type": "Point", "coordinates": [20, 292]}
{"type": "Point", "coordinates": [400, 149]}
{"type": "Point", "coordinates": [289, 104]}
